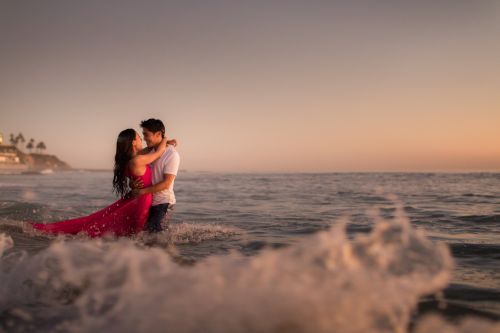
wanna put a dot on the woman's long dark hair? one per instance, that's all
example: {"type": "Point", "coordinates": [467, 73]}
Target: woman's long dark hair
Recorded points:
{"type": "Point", "coordinates": [123, 155]}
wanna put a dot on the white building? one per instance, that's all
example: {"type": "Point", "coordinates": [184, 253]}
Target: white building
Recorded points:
{"type": "Point", "coordinates": [8, 154]}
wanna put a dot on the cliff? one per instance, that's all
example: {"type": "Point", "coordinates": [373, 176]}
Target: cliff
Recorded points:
{"type": "Point", "coordinates": [42, 161]}
{"type": "Point", "coordinates": [13, 157]}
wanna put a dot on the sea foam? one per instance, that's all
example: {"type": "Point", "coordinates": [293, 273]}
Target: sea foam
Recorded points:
{"type": "Point", "coordinates": [324, 283]}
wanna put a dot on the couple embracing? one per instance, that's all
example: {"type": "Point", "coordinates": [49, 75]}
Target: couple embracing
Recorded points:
{"type": "Point", "coordinates": [150, 174]}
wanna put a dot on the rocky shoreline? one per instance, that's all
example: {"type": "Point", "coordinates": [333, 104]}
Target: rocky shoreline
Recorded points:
{"type": "Point", "coordinates": [16, 161]}
{"type": "Point", "coordinates": [42, 161]}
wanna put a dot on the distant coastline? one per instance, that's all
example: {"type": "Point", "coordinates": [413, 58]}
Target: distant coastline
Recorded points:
{"type": "Point", "coordinates": [13, 160]}
{"type": "Point", "coordinates": [93, 170]}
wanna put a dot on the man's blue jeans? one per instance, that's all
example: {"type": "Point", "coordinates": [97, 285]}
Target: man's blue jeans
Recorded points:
{"type": "Point", "coordinates": [159, 217]}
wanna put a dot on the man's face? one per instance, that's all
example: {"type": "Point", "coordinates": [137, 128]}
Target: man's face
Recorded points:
{"type": "Point", "coordinates": [151, 138]}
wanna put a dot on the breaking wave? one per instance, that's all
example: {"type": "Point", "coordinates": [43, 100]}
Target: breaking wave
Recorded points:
{"type": "Point", "coordinates": [326, 282]}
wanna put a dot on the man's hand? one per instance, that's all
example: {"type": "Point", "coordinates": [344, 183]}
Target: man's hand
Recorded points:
{"type": "Point", "coordinates": [136, 184]}
{"type": "Point", "coordinates": [137, 192]}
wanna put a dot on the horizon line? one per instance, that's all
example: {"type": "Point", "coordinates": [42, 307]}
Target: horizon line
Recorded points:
{"type": "Point", "coordinates": [317, 172]}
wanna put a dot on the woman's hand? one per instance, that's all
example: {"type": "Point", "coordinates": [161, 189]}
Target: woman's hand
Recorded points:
{"type": "Point", "coordinates": [172, 142]}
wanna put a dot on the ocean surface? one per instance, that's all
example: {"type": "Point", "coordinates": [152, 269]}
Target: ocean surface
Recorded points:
{"type": "Point", "coordinates": [340, 252]}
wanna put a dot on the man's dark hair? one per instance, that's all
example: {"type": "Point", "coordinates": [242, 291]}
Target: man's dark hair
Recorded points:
{"type": "Point", "coordinates": [154, 125]}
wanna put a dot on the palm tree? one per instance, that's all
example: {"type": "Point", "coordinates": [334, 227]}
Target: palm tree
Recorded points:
{"type": "Point", "coordinates": [41, 146]}
{"type": "Point", "coordinates": [20, 138]}
{"type": "Point", "coordinates": [31, 144]}
{"type": "Point", "coordinates": [13, 140]}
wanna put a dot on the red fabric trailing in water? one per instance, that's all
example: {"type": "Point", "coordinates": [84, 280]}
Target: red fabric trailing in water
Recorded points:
{"type": "Point", "coordinates": [122, 218]}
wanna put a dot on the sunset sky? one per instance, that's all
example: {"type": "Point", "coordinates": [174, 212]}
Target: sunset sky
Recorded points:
{"type": "Point", "coordinates": [259, 86]}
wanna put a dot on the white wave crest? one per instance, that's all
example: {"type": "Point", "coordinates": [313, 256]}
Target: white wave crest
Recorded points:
{"type": "Point", "coordinates": [185, 233]}
{"type": "Point", "coordinates": [325, 283]}
{"type": "Point", "coordinates": [6, 243]}
{"type": "Point", "coordinates": [433, 323]}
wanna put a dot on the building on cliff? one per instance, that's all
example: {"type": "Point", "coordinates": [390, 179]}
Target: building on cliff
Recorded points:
{"type": "Point", "coordinates": [12, 160]}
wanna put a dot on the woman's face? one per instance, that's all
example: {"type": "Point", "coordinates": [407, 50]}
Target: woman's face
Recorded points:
{"type": "Point", "coordinates": [137, 143]}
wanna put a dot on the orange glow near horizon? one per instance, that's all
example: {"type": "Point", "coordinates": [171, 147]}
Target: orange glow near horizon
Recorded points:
{"type": "Point", "coordinates": [261, 87]}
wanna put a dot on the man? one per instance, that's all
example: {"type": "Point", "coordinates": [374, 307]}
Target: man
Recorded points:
{"type": "Point", "coordinates": [164, 172]}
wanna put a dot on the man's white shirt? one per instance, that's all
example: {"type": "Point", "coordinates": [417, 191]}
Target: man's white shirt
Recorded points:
{"type": "Point", "coordinates": [168, 163]}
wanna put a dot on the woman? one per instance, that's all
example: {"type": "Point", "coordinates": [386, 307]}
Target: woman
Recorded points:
{"type": "Point", "coordinates": [128, 215]}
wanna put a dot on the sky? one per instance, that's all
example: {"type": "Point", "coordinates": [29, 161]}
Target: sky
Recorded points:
{"type": "Point", "coordinates": [259, 86]}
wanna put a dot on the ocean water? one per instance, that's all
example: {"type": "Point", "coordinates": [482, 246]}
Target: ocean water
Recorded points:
{"type": "Point", "coordinates": [360, 252]}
